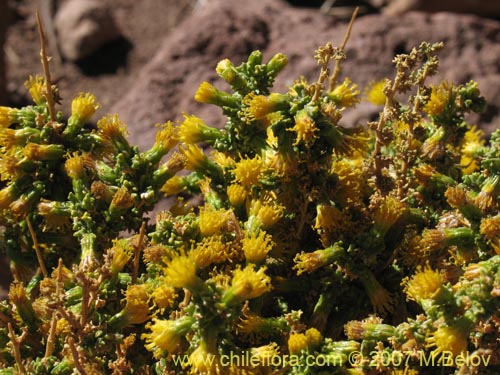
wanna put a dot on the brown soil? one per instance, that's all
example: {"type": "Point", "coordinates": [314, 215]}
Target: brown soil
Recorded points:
{"type": "Point", "coordinates": [109, 73]}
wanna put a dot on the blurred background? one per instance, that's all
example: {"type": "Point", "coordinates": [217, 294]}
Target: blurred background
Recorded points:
{"type": "Point", "coordinates": [145, 59]}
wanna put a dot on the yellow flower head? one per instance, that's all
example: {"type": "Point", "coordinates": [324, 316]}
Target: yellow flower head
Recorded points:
{"type": "Point", "coordinates": [164, 296]}
{"type": "Point", "coordinates": [346, 94]}
{"type": "Point", "coordinates": [247, 284]}
{"type": "Point", "coordinates": [236, 194]}
{"type": "Point", "coordinates": [256, 246]}
{"type": "Point", "coordinates": [36, 87]}
{"type": "Point", "coordinates": [212, 221]}
{"type": "Point", "coordinates": [211, 250]}
{"type": "Point", "coordinates": [77, 165]}
{"type": "Point", "coordinates": [248, 171]}
{"type": "Point", "coordinates": [166, 335]}
{"type": "Point", "coordinates": [122, 199]}
{"type": "Point", "coordinates": [251, 323]}
{"type": "Point", "coordinates": [196, 160]}
{"type": "Point", "coordinates": [439, 99]}
{"type": "Point", "coordinates": [328, 218]}
{"type": "Point", "coordinates": [352, 180]}
{"type": "Point", "coordinates": [111, 128]}
{"type": "Point", "coordinates": [9, 167]}
{"type": "Point", "coordinates": [204, 361]}
{"type": "Point", "coordinates": [425, 284]}
{"type": "Point", "coordinates": [207, 93]}
{"type": "Point", "coordinates": [387, 213]}
{"type": "Point", "coordinates": [192, 129]}
{"type": "Point", "coordinates": [7, 196]}
{"type": "Point", "coordinates": [314, 338]}
{"type": "Point", "coordinates": [83, 107]}
{"type": "Point", "coordinates": [490, 227]}
{"type": "Point", "coordinates": [266, 214]}
{"type": "Point", "coordinates": [174, 185]}
{"type": "Point", "coordinates": [448, 339]}
{"type": "Point", "coordinates": [375, 92]}
{"type": "Point", "coordinates": [6, 116]}
{"type": "Point", "coordinates": [264, 354]}
{"type": "Point", "coordinates": [472, 145]}
{"type": "Point", "coordinates": [226, 70]}
{"type": "Point", "coordinates": [181, 273]}
{"type": "Point", "coordinates": [166, 137]}
{"type": "Point", "coordinates": [309, 262]}
{"type": "Point", "coordinates": [121, 253]}
{"type": "Point", "coordinates": [259, 106]}
{"type": "Point", "coordinates": [297, 342]}
{"type": "Point", "coordinates": [136, 309]}
{"type": "Point", "coordinates": [305, 127]}
{"type": "Point", "coordinates": [55, 216]}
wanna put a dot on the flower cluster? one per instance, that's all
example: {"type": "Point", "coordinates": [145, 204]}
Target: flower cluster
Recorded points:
{"type": "Point", "coordinates": [309, 238]}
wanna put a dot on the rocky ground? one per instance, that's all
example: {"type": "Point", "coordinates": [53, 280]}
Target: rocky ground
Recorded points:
{"type": "Point", "coordinates": [145, 59]}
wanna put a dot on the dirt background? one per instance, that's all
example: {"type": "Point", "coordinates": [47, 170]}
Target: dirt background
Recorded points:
{"type": "Point", "coordinates": [165, 48]}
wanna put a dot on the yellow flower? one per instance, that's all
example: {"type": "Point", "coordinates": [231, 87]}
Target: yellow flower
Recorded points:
{"type": "Point", "coordinates": [180, 272]}
{"type": "Point", "coordinates": [166, 335]}
{"type": "Point", "coordinates": [174, 185]}
{"type": "Point", "coordinates": [206, 93]}
{"type": "Point", "coordinates": [6, 116]}
{"type": "Point", "coordinates": [305, 127]}
{"type": "Point", "coordinates": [164, 296]}
{"type": "Point", "coordinates": [256, 246]}
{"type": "Point", "coordinates": [388, 213]}
{"type": "Point", "coordinates": [204, 361]}
{"type": "Point", "coordinates": [247, 284]}
{"type": "Point", "coordinates": [259, 106]}
{"type": "Point", "coordinates": [490, 227]}
{"type": "Point", "coordinates": [375, 92]}
{"type": "Point", "coordinates": [472, 145]}
{"type": "Point", "coordinates": [328, 217]}
{"type": "Point", "coordinates": [448, 339]}
{"type": "Point", "coordinates": [122, 200]}
{"type": "Point", "coordinates": [212, 221]}
{"type": "Point", "coordinates": [352, 180]}
{"type": "Point", "coordinates": [55, 215]}
{"type": "Point", "coordinates": [486, 199]}
{"type": "Point", "coordinates": [297, 342]}
{"type": "Point", "coordinates": [265, 215]}
{"type": "Point", "coordinates": [9, 167]}
{"type": "Point", "coordinates": [24, 307]}
{"type": "Point", "coordinates": [121, 253]}
{"type": "Point", "coordinates": [425, 284]}
{"type": "Point", "coordinates": [83, 107]}
{"type": "Point", "coordinates": [136, 310]}
{"type": "Point", "coordinates": [346, 94]}
{"type": "Point", "coordinates": [212, 250]}
{"type": "Point", "coordinates": [112, 129]}
{"type": "Point", "coordinates": [264, 354]}
{"type": "Point", "coordinates": [236, 194]}
{"type": "Point", "coordinates": [314, 338]}
{"type": "Point", "coordinates": [248, 171]}
{"type": "Point", "coordinates": [193, 129]}
{"type": "Point", "coordinates": [439, 99]}
{"type": "Point", "coordinates": [251, 323]}
{"type": "Point", "coordinates": [36, 87]}
{"type": "Point", "coordinates": [77, 164]}
{"type": "Point", "coordinates": [35, 151]}
{"type": "Point", "coordinates": [196, 160]}
{"type": "Point", "coordinates": [166, 139]}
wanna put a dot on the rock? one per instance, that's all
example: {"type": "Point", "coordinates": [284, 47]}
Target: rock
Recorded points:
{"type": "Point", "coordinates": [83, 26]}
{"type": "Point", "coordinates": [221, 29]}
{"type": "Point", "coordinates": [484, 8]}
